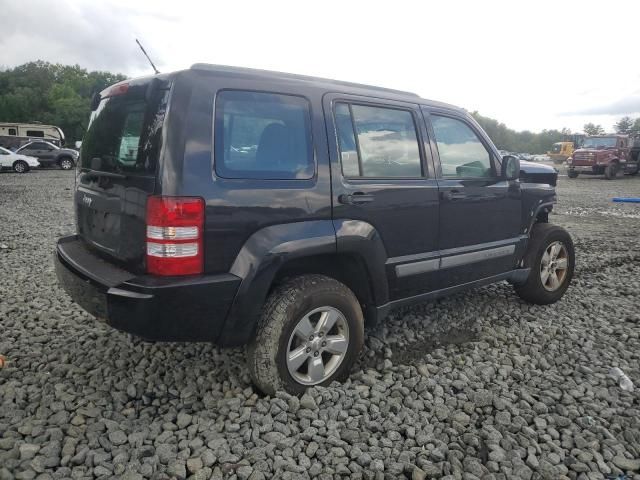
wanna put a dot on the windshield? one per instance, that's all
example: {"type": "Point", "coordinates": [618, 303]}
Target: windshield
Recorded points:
{"type": "Point", "coordinates": [123, 135]}
{"type": "Point", "coordinates": [599, 142]}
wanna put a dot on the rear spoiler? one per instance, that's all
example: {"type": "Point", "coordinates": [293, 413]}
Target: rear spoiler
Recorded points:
{"type": "Point", "coordinates": [127, 87]}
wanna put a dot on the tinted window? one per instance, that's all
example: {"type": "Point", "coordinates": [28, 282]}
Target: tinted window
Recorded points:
{"type": "Point", "coordinates": [37, 146]}
{"type": "Point", "coordinates": [124, 134]}
{"type": "Point", "coordinates": [262, 135]}
{"type": "Point", "coordinates": [35, 133]}
{"type": "Point", "coordinates": [461, 152]}
{"type": "Point", "coordinates": [385, 143]}
{"type": "Point", "coordinates": [347, 141]}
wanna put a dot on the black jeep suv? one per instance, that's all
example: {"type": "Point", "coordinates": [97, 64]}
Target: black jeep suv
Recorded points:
{"type": "Point", "coordinates": [285, 212]}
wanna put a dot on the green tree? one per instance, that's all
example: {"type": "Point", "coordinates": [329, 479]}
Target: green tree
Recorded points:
{"type": "Point", "coordinates": [525, 141]}
{"type": "Point", "coordinates": [624, 125]}
{"type": "Point", "coordinates": [635, 128]}
{"type": "Point", "coordinates": [52, 93]}
{"type": "Point", "coordinates": [592, 129]}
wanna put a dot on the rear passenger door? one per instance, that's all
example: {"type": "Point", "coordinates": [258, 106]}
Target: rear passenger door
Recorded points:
{"type": "Point", "coordinates": [480, 212]}
{"type": "Point", "coordinates": [382, 175]}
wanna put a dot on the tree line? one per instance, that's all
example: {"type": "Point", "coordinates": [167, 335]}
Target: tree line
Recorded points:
{"type": "Point", "coordinates": [52, 94]}
{"type": "Point", "coordinates": [61, 95]}
{"type": "Point", "coordinates": [539, 143]}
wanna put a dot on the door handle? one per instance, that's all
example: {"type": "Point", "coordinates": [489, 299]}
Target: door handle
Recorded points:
{"type": "Point", "coordinates": [453, 195]}
{"type": "Point", "coordinates": [355, 198]}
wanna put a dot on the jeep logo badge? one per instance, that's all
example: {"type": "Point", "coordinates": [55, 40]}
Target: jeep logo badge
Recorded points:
{"type": "Point", "coordinates": [87, 200]}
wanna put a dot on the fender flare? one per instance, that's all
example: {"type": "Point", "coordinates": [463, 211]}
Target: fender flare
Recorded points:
{"type": "Point", "coordinates": [360, 238]}
{"type": "Point", "coordinates": [266, 250]}
{"type": "Point", "coordinates": [538, 209]}
{"type": "Point", "coordinates": [257, 263]}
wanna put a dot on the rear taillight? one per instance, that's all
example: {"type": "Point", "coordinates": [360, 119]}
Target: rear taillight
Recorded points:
{"type": "Point", "coordinates": [174, 235]}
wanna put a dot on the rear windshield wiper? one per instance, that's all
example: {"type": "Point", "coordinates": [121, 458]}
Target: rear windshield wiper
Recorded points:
{"type": "Point", "coordinates": [98, 173]}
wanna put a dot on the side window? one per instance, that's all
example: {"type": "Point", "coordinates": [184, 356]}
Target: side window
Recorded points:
{"type": "Point", "coordinates": [35, 133]}
{"type": "Point", "coordinates": [12, 131]}
{"type": "Point", "coordinates": [462, 154]}
{"type": "Point", "coordinates": [262, 135]}
{"type": "Point", "coordinates": [36, 146]}
{"type": "Point", "coordinates": [377, 142]}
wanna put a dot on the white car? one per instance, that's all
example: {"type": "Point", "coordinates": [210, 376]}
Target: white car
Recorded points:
{"type": "Point", "coordinates": [17, 162]}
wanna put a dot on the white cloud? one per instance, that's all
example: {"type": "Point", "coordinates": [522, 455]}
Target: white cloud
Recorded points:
{"type": "Point", "coordinates": [521, 63]}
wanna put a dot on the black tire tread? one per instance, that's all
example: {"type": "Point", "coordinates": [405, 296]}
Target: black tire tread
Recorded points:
{"type": "Point", "coordinates": [531, 290]}
{"type": "Point", "coordinates": [263, 349]}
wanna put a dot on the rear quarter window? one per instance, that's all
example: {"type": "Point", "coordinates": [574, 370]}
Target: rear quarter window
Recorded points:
{"type": "Point", "coordinates": [262, 136]}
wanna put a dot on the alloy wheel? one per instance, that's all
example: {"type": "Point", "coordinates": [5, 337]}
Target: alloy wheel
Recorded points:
{"type": "Point", "coordinates": [317, 346]}
{"type": "Point", "coordinates": [554, 266]}
{"type": "Point", "coordinates": [66, 164]}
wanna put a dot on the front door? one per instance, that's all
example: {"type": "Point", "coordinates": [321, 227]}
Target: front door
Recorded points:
{"type": "Point", "coordinates": [480, 212]}
{"type": "Point", "coordinates": [382, 176]}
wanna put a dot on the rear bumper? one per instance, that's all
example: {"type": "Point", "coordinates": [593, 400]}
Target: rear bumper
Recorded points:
{"type": "Point", "coordinates": [192, 308]}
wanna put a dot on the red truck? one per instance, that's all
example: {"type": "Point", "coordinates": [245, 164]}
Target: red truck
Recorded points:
{"type": "Point", "coordinates": [606, 155]}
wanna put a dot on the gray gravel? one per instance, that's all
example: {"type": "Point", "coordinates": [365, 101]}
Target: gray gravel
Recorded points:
{"type": "Point", "coordinates": [476, 386]}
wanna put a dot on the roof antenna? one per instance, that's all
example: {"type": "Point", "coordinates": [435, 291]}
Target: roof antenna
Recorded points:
{"type": "Point", "coordinates": [146, 55]}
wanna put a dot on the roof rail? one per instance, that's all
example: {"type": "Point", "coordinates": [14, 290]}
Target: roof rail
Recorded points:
{"type": "Point", "coordinates": [273, 74]}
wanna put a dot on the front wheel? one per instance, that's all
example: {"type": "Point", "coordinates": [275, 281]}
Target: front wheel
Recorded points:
{"type": "Point", "coordinates": [611, 171]}
{"type": "Point", "coordinates": [310, 333]}
{"type": "Point", "coordinates": [551, 257]}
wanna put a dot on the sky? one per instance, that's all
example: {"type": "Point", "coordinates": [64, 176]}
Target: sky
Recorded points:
{"type": "Point", "coordinates": [532, 65]}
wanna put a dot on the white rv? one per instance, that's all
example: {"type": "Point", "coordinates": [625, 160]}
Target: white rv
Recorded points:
{"type": "Point", "coordinates": [14, 135]}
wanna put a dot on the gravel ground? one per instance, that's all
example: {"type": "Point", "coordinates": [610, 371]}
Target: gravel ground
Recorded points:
{"type": "Point", "coordinates": [478, 385]}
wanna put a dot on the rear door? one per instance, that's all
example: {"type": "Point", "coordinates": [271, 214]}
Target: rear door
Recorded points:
{"type": "Point", "coordinates": [117, 170]}
{"type": "Point", "coordinates": [480, 212]}
{"type": "Point", "coordinates": [36, 149]}
{"type": "Point", "coordinates": [382, 174]}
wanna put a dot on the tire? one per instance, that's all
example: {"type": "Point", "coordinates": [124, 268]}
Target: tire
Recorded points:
{"type": "Point", "coordinates": [611, 171]}
{"type": "Point", "coordinates": [20, 166]}
{"type": "Point", "coordinates": [299, 301]}
{"type": "Point", "coordinates": [66, 163]}
{"type": "Point", "coordinates": [543, 237]}
{"type": "Point", "coordinates": [572, 174]}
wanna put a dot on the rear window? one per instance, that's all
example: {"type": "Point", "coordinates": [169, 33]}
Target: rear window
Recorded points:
{"type": "Point", "coordinates": [262, 136]}
{"type": "Point", "coordinates": [124, 134]}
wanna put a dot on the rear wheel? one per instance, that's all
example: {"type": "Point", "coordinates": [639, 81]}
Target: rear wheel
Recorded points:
{"type": "Point", "coordinates": [551, 257]}
{"type": "Point", "coordinates": [310, 333]}
{"type": "Point", "coordinates": [66, 163]}
{"type": "Point", "coordinates": [611, 171]}
{"type": "Point", "coordinates": [572, 174]}
{"type": "Point", "coordinates": [20, 166]}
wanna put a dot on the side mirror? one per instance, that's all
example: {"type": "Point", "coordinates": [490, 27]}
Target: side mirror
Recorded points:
{"type": "Point", "coordinates": [510, 167]}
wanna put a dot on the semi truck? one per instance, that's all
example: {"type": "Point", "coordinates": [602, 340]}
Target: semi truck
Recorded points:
{"type": "Point", "coordinates": [606, 155]}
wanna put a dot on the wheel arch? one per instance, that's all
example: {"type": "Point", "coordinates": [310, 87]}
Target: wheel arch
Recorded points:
{"type": "Point", "coordinates": [349, 251]}
{"type": "Point", "coordinates": [19, 160]}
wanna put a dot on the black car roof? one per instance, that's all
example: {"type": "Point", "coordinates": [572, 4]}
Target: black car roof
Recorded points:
{"type": "Point", "coordinates": [322, 83]}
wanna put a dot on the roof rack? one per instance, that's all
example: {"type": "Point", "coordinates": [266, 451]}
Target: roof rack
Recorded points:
{"type": "Point", "coordinates": [273, 74]}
